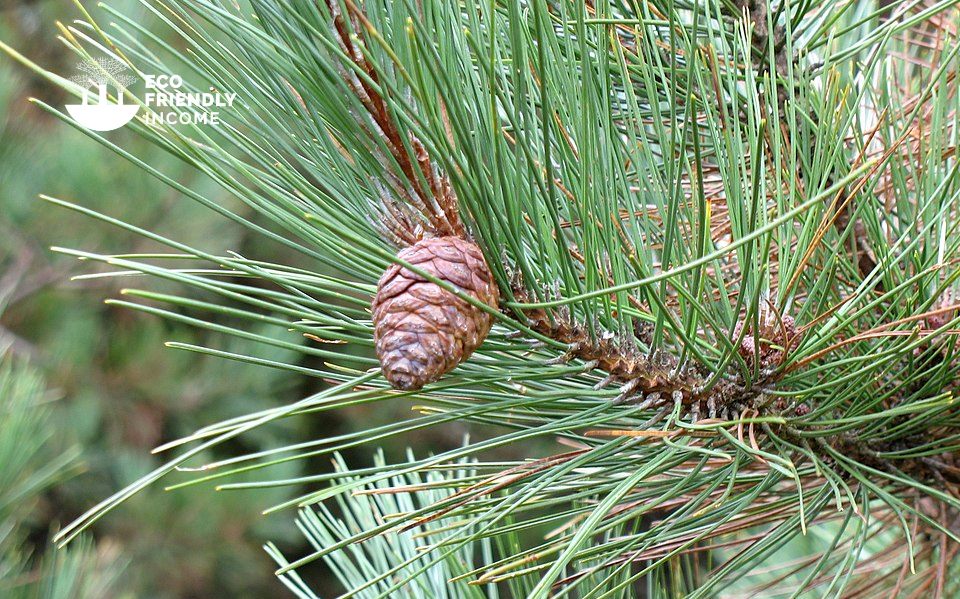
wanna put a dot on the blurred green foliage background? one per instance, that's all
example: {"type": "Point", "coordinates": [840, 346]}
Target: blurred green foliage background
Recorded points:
{"type": "Point", "coordinates": [117, 391]}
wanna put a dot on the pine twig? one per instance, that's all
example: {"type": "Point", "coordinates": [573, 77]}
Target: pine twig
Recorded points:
{"type": "Point", "coordinates": [436, 203]}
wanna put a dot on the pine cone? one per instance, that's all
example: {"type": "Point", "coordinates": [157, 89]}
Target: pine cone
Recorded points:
{"type": "Point", "coordinates": [421, 330]}
{"type": "Point", "coordinates": [771, 344]}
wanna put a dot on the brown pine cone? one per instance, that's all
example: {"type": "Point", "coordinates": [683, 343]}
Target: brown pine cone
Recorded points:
{"type": "Point", "coordinates": [421, 330]}
{"type": "Point", "coordinates": [771, 344]}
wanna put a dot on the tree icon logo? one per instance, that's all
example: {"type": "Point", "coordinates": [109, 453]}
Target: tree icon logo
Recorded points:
{"type": "Point", "coordinates": [97, 112]}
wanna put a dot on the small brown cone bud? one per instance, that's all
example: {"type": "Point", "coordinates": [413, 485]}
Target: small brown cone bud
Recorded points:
{"type": "Point", "coordinates": [771, 344]}
{"type": "Point", "coordinates": [948, 298]}
{"type": "Point", "coordinates": [421, 330]}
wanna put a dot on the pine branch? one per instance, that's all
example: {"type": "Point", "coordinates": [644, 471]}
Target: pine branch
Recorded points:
{"type": "Point", "coordinates": [636, 208]}
{"type": "Point", "coordinates": [436, 202]}
{"type": "Point", "coordinates": [764, 42]}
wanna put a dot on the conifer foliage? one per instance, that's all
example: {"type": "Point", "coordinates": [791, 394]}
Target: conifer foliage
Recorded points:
{"type": "Point", "coordinates": [706, 250]}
